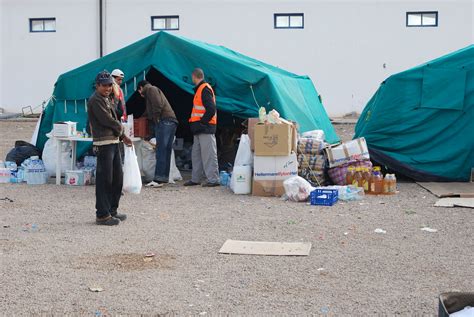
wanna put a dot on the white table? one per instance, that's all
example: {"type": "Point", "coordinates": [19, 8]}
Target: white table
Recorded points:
{"type": "Point", "coordinates": [73, 141]}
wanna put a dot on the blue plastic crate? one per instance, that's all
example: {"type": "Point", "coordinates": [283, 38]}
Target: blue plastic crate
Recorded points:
{"type": "Point", "coordinates": [324, 197]}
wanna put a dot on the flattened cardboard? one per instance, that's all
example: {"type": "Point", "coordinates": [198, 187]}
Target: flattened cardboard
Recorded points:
{"type": "Point", "coordinates": [465, 190]}
{"type": "Point", "coordinates": [455, 202]}
{"type": "Point", "coordinates": [273, 139]}
{"type": "Point", "coordinates": [266, 248]}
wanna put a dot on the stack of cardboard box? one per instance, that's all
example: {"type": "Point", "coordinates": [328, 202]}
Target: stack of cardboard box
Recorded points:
{"type": "Point", "coordinates": [275, 160]}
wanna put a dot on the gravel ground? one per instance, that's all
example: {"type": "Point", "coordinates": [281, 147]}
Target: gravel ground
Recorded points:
{"type": "Point", "coordinates": [52, 252]}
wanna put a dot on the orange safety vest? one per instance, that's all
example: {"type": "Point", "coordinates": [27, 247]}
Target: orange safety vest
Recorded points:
{"type": "Point", "coordinates": [198, 107]}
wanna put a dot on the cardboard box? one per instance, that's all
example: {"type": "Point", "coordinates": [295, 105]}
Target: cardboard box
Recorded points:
{"type": "Point", "coordinates": [251, 123]}
{"type": "Point", "coordinates": [274, 139]}
{"type": "Point", "coordinates": [355, 150]}
{"type": "Point", "coordinates": [64, 129]}
{"type": "Point", "coordinates": [270, 172]}
{"type": "Point", "coordinates": [78, 178]}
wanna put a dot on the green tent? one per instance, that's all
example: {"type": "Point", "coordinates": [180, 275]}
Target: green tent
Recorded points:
{"type": "Point", "coordinates": [420, 122]}
{"type": "Point", "coordinates": [242, 84]}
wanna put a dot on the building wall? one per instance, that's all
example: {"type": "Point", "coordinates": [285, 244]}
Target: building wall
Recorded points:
{"type": "Point", "coordinates": [346, 47]}
{"type": "Point", "coordinates": [31, 62]}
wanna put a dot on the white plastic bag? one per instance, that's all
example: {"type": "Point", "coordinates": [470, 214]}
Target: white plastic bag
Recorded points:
{"type": "Point", "coordinates": [244, 154]}
{"type": "Point", "coordinates": [132, 181]}
{"type": "Point", "coordinates": [148, 160]}
{"type": "Point", "coordinates": [50, 154]}
{"type": "Point", "coordinates": [297, 188]}
{"type": "Point", "coordinates": [314, 134]}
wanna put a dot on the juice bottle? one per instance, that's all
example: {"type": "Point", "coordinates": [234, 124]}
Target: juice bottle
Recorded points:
{"type": "Point", "coordinates": [377, 181]}
{"type": "Point", "coordinates": [366, 179]}
{"type": "Point", "coordinates": [386, 184]}
{"type": "Point", "coordinates": [357, 180]}
{"type": "Point", "coordinates": [349, 175]}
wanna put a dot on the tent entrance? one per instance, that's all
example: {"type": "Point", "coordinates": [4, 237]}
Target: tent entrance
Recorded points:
{"type": "Point", "coordinates": [229, 127]}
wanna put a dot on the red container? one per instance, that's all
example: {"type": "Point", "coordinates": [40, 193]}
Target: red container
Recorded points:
{"type": "Point", "coordinates": [140, 127]}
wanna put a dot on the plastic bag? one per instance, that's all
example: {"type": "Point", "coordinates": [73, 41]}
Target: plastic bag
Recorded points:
{"type": "Point", "coordinates": [348, 193]}
{"type": "Point", "coordinates": [244, 154]}
{"type": "Point", "coordinates": [50, 156]}
{"type": "Point", "coordinates": [314, 134]}
{"type": "Point", "coordinates": [297, 188]}
{"type": "Point", "coordinates": [132, 181]}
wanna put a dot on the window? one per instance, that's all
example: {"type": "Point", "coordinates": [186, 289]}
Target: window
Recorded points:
{"type": "Point", "coordinates": [160, 23]}
{"type": "Point", "coordinates": [289, 21]}
{"type": "Point", "coordinates": [43, 25]}
{"type": "Point", "coordinates": [422, 19]}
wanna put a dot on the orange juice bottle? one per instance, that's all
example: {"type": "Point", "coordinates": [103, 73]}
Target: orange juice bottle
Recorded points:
{"type": "Point", "coordinates": [386, 185]}
{"type": "Point", "coordinates": [366, 179]}
{"type": "Point", "coordinates": [349, 175]}
{"type": "Point", "coordinates": [357, 179]}
{"type": "Point", "coordinates": [377, 181]}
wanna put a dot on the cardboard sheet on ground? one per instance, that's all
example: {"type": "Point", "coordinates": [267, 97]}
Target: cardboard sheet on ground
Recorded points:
{"type": "Point", "coordinates": [464, 190]}
{"type": "Point", "coordinates": [265, 248]}
{"type": "Point", "coordinates": [455, 202]}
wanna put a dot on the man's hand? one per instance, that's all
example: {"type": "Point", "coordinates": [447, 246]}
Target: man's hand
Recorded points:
{"type": "Point", "coordinates": [126, 140]}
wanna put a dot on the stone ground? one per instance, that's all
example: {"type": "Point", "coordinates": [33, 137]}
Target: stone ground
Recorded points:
{"type": "Point", "coordinates": [52, 253]}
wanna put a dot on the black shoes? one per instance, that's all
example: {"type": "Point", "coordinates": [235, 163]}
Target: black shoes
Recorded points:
{"type": "Point", "coordinates": [208, 184]}
{"type": "Point", "coordinates": [107, 221]}
{"type": "Point", "coordinates": [190, 183]}
{"type": "Point", "coordinates": [121, 217]}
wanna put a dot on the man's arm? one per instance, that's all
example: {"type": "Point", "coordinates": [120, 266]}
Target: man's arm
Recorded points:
{"type": "Point", "coordinates": [208, 102]}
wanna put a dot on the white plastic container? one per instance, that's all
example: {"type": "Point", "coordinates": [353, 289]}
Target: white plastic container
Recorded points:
{"type": "Point", "coordinates": [5, 175]}
{"type": "Point", "coordinates": [242, 180]}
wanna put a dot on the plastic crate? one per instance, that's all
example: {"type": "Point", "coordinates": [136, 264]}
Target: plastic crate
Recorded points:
{"type": "Point", "coordinates": [324, 197]}
{"type": "Point", "coordinates": [140, 127]}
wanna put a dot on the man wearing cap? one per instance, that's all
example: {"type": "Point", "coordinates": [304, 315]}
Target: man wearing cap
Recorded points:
{"type": "Point", "coordinates": [119, 98]}
{"type": "Point", "coordinates": [159, 112]}
{"type": "Point", "coordinates": [107, 133]}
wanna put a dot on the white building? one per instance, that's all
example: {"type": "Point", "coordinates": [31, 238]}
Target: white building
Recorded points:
{"type": "Point", "coordinates": [346, 47]}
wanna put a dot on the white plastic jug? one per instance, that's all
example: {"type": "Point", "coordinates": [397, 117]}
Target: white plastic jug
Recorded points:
{"type": "Point", "coordinates": [242, 180]}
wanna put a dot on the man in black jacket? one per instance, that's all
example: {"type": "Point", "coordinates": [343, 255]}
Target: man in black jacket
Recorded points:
{"type": "Point", "coordinates": [107, 133]}
{"type": "Point", "coordinates": [203, 124]}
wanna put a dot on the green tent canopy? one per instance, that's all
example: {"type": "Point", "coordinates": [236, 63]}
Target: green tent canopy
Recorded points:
{"type": "Point", "coordinates": [420, 122]}
{"type": "Point", "coordinates": [242, 84]}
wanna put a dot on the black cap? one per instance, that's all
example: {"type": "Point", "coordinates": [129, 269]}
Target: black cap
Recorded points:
{"type": "Point", "coordinates": [104, 78]}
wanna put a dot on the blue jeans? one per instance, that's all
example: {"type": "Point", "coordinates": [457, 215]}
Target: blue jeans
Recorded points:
{"type": "Point", "coordinates": [164, 134]}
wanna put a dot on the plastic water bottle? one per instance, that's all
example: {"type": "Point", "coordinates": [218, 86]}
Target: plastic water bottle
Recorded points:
{"type": "Point", "coordinates": [224, 178]}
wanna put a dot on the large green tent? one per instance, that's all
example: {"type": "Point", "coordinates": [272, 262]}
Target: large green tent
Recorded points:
{"type": "Point", "coordinates": [242, 84]}
{"type": "Point", "coordinates": [420, 122]}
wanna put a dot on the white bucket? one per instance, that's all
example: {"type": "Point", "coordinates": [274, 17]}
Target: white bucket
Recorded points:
{"type": "Point", "coordinates": [242, 180]}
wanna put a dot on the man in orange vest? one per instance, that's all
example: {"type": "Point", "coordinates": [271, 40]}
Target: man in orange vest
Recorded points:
{"type": "Point", "coordinates": [203, 123]}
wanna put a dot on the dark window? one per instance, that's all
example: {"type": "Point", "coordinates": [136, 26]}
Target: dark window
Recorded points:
{"type": "Point", "coordinates": [42, 25]}
{"type": "Point", "coordinates": [168, 22]}
{"type": "Point", "coordinates": [422, 19]}
{"type": "Point", "coordinates": [289, 21]}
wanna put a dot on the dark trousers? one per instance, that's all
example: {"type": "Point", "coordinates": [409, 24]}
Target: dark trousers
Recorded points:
{"type": "Point", "coordinates": [164, 134]}
{"type": "Point", "coordinates": [109, 180]}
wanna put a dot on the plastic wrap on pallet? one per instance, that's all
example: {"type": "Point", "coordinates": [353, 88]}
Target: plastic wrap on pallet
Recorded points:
{"type": "Point", "coordinates": [338, 174]}
{"type": "Point", "coordinates": [310, 146]}
{"type": "Point", "coordinates": [312, 168]}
